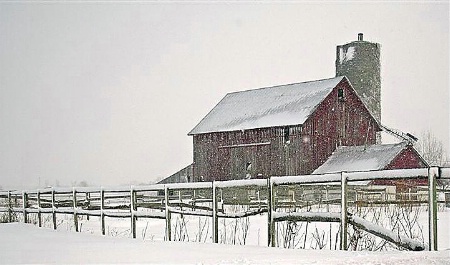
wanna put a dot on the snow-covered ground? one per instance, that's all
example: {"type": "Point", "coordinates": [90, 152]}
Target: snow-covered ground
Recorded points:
{"type": "Point", "coordinates": [22, 243]}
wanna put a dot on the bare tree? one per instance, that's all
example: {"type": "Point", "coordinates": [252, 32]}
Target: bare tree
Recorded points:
{"type": "Point", "coordinates": [431, 149]}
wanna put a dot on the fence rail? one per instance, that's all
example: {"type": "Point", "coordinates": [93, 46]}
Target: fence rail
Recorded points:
{"type": "Point", "coordinates": [261, 195]}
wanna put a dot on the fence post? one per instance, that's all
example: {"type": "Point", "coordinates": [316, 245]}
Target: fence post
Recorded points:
{"type": "Point", "coordinates": [53, 209]}
{"type": "Point", "coordinates": [39, 208]}
{"type": "Point", "coordinates": [9, 207]}
{"type": "Point", "coordinates": [270, 209]}
{"type": "Point", "coordinates": [133, 208]}
{"type": "Point", "coordinates": [88, 203]}
{"type": "Point", "coordinates": [24, 204]}
{"type": "Point", "coordinates": [432, 208]}
{"type": "Point", "coordinates": [168, 223]}
{"type": "Point", "coordinates": [75, 214]}
{"type": "Point", "coordinates": [343, 245]}
{"type": "Point", "coordinates": [215, 219]}
{"type": "Point", "coordinates": [102, 207]}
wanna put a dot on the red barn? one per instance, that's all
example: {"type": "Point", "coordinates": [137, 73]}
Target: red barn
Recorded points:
{"type": "Point", "coordinates": [282, 130]}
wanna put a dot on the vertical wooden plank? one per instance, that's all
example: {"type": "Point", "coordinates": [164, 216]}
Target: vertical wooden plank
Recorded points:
{"type": "Point", "coordinates": [53, 209]}
{"type": "Point", "coordinates": [25, 205]}
{"type": "Point", "coordinates": [215, 219]}
{"type": "Point", "coordinates": [102, 207]}
{"type": "Point", "coordinates": [168, 215]}
{"type": "Point", "coordinates": [343, 245]}
{"type": "Point", "coordinates": [39, 208]}
{"type": "Point", "coordinates": [75, 214]}
{"type": "Point", "coordinates": [133, 208]}
{"type": "Point", "coordinates": [432, 208]}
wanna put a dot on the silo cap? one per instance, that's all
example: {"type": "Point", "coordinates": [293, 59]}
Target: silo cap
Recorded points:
{"type": "Point", "coordinates": [360, 36]}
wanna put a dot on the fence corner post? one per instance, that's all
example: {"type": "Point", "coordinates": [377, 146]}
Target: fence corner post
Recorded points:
{"type": "Point", "coordinates": [433, 172]}
{"type": "Point", "coordinates": [344, 217]}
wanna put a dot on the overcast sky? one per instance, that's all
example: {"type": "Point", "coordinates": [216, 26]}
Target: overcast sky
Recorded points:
{"type": "Point", "coordinates": [107, 92]}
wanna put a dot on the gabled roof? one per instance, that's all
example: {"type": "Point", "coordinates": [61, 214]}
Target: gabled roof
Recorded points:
{"type": "Point", "coordinates": [266, 107]}
{"type": "Point", "coordinates": [361, 158]}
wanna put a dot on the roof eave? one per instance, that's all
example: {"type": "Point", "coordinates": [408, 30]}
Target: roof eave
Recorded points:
{"type": "Point", "coordinates": [248, 129]}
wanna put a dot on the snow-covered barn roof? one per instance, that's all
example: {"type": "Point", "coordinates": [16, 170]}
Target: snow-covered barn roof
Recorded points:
{"type": "Point", "coordinates": [361, 158]}
{"type": "Point", "coordinates": [266, 107]}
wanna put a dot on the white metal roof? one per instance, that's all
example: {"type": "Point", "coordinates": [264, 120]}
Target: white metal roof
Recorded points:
{"type": "Point", "coordinates": [360, 158]}
{"type": "Point", "coordinates": [266, 107]}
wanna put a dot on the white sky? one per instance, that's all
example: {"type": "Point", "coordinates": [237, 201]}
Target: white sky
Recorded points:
{"type": "Point", "coordinates": [107, 92]}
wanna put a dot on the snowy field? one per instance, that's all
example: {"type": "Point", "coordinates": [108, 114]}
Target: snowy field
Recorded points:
{"type": "Point", "coordinates": [24, 244]}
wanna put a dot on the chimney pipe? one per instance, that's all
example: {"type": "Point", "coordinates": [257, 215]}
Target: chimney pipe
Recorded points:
{"type": "Point", "coordinates": [360, 36]}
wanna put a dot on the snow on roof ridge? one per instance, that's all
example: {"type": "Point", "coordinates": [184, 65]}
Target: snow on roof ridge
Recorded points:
{"type": "Point", "coordinates": [275, 106]}
{"type": "Point", "coordinates": [288, 84]}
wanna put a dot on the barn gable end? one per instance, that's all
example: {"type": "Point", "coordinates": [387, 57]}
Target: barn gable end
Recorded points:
{"type": "Point", "coordinates": [408, 158]}
{"type": "Point", "coordinates": [375, 157]}
{"type": "Point", "coordinates": [372, 157]}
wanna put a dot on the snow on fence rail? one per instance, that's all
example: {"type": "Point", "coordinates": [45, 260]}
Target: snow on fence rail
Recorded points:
{"type": "Point", "coordinates": [207, 199]}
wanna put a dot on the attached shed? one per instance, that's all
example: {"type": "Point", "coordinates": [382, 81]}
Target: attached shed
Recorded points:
{"type": "Point", "coordinates": [372, 157]}
{"type": "Point", "coordinates": [376, 157]}
{"type": "Point", "coordinates": [282, 130]}
{"type": "Point", "coordinates": [182, 176]}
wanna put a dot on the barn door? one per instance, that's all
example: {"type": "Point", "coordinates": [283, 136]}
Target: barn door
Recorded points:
{"type": "Point", "coordinates": [241, 162]}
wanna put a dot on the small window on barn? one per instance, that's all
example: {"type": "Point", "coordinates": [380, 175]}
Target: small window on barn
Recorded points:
{"type": "Point", "coordinates": [286, 134]}
{"type": "Point", "coordinates": [341, 94]}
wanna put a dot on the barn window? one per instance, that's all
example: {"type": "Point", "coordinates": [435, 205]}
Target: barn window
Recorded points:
{"type": "Point", "coordinates": [286, 134]}
{"type": "Point", "coordinates": [341, 94]}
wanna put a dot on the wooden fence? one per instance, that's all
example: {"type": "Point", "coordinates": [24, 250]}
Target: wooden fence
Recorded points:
{"type": "Point", "coordinates": [209, 199]}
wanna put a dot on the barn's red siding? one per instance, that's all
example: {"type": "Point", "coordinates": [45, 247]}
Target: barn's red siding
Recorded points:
{"type": "Point", "coordinates": [335, 122]}
{"type": "Point", "coordinates": [408, 158]}
{"type": "Point", "coordinates": [338, 122]}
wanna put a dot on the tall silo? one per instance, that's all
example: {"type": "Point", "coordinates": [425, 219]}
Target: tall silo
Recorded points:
{"type": "Point", "coordinates": [360, 62]}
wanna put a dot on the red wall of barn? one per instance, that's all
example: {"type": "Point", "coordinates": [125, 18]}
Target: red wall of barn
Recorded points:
{"type": "Point", "coordinates": [338, 122]}
{"type": "Point", "coordinates": [335, 122]}
{"type": "Point", "coordinates": [408, 158]}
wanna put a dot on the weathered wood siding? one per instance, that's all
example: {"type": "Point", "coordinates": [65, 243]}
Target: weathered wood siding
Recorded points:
{"type": "Point", "coordinates": [291, 150]}
{"type": "Point", "coordinates": [337, 122]}
{"type": "Point", "coordinates": [408, 158]}
{"type": "Point", "coordinates": [224, 155]}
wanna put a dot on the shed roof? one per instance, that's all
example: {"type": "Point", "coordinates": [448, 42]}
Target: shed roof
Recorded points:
{"type": "Point", "coordinates": [266, 107]}
{"type": "Point", "coordinates": [361, 158]}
